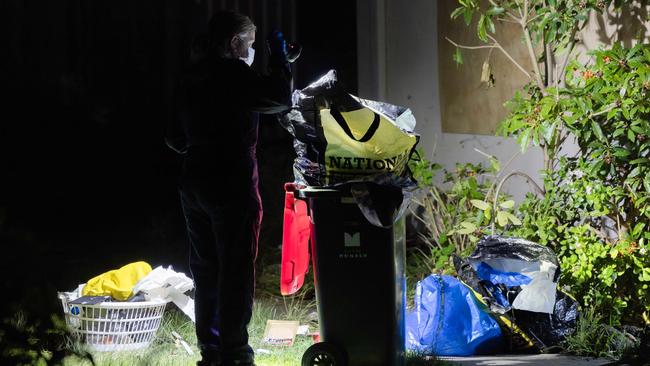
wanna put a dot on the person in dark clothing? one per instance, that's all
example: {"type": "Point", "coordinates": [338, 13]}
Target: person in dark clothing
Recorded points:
{"type": "Point", "coordinates": [217, 104]}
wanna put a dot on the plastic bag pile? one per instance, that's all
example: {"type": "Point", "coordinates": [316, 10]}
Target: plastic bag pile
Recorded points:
{"type": "Point", "coordinates": [504, 299]}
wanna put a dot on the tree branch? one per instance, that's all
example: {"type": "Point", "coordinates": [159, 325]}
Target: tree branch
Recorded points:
{"type": "Point", "coordinates": [533, 57]}
{"type": "Point", "coordinates": [521, 13]}
{"type": "Point", "coordinates": [525, 9]}
{"type": "Point", "coordinates": [599, 233]}
{"type": "Point", "coordinates": [531, 48]}
{"type": "Point", "coordinates": [505, 53]}
{"type": "Point", "coordinates": [562, 139]}
{"type": "Point", "coordinates": [562, 69]}
{"type": "Point", "coordinates": [514, 18]}
{"type": "Point", "coordinates": [547, 159]}
{"type": "Point", "coordinates": [532, 19]}
{"type": "Point", "coordinates": [497, 45]}
{"type": "Point", "coordinates": [551, 64]}
{"type": "Point", "coordinates": [606, 110]}
{"type": "Point", "coordinates": [503, 168]}
{"type": "Point", "coordinates": [548, 54]}
{"type": "Point", "coordinates": [470, 47]}
{"type": "Point", "coordinates": [546, 62]}
{"type": "Point", "coordinates": [528, 178]}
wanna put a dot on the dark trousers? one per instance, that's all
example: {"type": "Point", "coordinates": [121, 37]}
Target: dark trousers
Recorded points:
{"type": "Point", "coordinates": [223, 228]}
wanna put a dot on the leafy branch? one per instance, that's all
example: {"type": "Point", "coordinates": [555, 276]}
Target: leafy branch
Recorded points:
{"type": "Point", "coordinates": [494, 45]}
{"type": "Point", "coordinates": [548, 28]}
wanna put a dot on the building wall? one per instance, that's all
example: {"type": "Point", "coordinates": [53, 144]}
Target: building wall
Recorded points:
{"type": "Point", "coordinates": [405, 59]}
{"type": "Point", "coordinates": [467, 105]}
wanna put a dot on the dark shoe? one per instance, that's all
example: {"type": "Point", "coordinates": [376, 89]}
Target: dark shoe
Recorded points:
{"type": "Point", "coordinates": [244, 359]}
{"type": "Point", "coordinates": [210, 358]}
{"type": "Point", "coordinates": [239, 363]}
{"type": "Point", "coordinates": [208, 363]}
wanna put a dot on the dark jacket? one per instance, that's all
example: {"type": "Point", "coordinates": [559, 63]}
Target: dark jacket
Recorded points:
{"type": "Point", "coordinates": [214, 101]}
{"type": "Point", "coordinates": [215, 120]}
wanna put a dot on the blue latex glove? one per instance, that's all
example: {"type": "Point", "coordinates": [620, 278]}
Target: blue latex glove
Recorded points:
{"type": "Point", "coordinates": [277, 46]}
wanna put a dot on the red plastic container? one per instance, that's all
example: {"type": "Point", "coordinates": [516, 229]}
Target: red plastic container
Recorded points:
{"type": "Point", "coordinates": [295, 242]}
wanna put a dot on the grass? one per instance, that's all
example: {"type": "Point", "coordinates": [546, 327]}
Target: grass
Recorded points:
{"type": "Point", "coordinates": [164, 352]}
{"type": "Point", "coordinates": [595, 339]}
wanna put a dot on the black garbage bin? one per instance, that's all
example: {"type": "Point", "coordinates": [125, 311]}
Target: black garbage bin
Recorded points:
{"type": "Point", "coordinates": [359, 281]}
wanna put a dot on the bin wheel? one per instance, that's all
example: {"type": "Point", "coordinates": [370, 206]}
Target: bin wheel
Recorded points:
{"type": "Point", "coordinates": [324, 354]}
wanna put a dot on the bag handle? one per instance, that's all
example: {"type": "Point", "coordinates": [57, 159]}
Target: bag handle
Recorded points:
{"type": "Point", "coordinates": [344, 125]}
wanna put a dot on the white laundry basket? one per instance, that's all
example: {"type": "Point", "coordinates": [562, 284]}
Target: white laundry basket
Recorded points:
{"type": "Point", "coordinates": [114, 326]}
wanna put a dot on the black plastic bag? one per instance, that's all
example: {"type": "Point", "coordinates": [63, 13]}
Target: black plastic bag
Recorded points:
{"type": "Point", "coordinates": [342, 140]}
{"type": "Point", "coordinates": [550, 330]}
{"type": "Point", "coordinates": [491, 270]}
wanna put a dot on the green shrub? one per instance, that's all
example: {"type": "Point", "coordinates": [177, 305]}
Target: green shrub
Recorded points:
{"type": "Point", "coordinates": [595, 212]}
{"type": "Point", "coordinates": [455, 210]}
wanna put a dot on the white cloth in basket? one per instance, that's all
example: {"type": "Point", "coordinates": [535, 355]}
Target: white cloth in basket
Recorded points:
{"type": "Point", "coordinates": [167, 284]}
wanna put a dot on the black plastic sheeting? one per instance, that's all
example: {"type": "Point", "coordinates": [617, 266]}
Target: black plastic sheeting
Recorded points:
{"type": "Point", "coordinates": [383, 198]}
{"type": "Point", "coordinates": [501, 247]}
{"type": "Point", "coordinates": [527, 331]}
{"type": "Point", "coordinates": [549, 330]}
{"type": "Point", "coordinates": [303, 122]}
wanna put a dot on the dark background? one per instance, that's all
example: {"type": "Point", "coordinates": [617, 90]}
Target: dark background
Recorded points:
{"type": "Point", "coordinates": [87, 184]}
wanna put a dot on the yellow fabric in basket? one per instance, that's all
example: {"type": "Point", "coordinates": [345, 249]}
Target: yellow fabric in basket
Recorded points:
{"type": "Point", "coordinates": [117, 283]}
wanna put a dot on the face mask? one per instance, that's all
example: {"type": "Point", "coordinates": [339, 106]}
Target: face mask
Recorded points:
{"type": "Point", "coordinates": [251, 56]}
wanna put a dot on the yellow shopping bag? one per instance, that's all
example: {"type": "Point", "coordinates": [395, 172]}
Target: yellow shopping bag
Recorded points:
{"type": "Point", "coordinates": [363, 142]}
{"type": "Point", "coordinates": [117, 283]}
